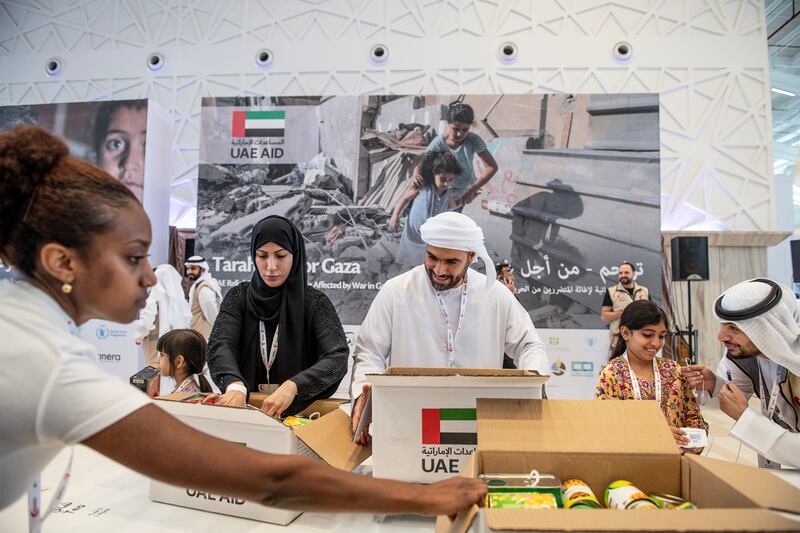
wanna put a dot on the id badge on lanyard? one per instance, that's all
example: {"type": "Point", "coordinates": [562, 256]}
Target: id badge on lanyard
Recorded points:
{"type": "Point", "coordinates": [451, 337]}
{"type": "Point", "coordinates": [267, 356]}
{"type": "Point", "coordinates": [769, 409]}
{"type": "Point", "coordinates": [637, 393]}
{"type": "Point", "coordinates": [35, 514]}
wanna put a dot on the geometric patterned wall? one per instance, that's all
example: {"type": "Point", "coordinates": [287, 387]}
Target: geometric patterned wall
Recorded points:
{"type": "Point", "coordinates": [707, 59]}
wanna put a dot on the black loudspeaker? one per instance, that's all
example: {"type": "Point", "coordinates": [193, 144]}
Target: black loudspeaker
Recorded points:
{"type": "Point", "coordinates": [689, 258]}
{"type": "Point", "coordinates": [795, 245]}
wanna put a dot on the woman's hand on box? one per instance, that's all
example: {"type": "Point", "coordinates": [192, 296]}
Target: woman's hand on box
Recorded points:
{"type": "Point", "coordinates": [277, 402]}
{"type": "Point", "coordinates": [232, 398]}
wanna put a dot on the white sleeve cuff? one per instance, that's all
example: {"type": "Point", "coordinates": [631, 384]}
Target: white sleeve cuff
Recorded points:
{"type": "Point", "coordinates": [756, 431]}
{"type": "Point", "coordinates": [236, 387]}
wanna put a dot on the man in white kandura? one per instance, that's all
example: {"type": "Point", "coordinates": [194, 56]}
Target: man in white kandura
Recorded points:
{"type": "Point", "coordinates": [164, 310]}
{"type": "Point", "coordinates": [444, 314]}
{"type": "Point", "coordinates": [760, 328]}
{"type": "Point", "coordinates": [204, 296]}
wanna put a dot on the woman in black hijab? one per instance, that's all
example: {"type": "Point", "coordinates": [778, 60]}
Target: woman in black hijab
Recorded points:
{"type": "Point", "coordinates": [307, 358]}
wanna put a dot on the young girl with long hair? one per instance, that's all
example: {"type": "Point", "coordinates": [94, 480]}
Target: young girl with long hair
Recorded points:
{"type": "Point", "coordinates": [182, 356]}
{"type": "Point", "coordinates": [635, 372]}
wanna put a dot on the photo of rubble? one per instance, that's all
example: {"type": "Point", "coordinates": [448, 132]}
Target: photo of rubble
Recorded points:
{"type": "Point", "coordinates": [350, 251]}
{"type": "Point", "coordinates": [577, 177]}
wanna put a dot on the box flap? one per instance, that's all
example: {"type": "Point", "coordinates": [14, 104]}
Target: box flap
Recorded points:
{"type": "Point", "coordinates": [456, 377]}
{"type": "Point", "coordinates": [330, 438]}
{"type": "Point", "coordinates": [463, 520]}
{"type": "Point", "coordinates": [573, 426]}
{"type": "Point", "coordinates": [174, 405]}
{"type": "Point", "coordinates": [759, 487]}
{"type": "Point", "coordinates": [461, 524]}
{"type": "Point", "coordinates": [322, 407]}
{"type": "Point", "coordinates": [612, 520]}
{"type": "Point", "coordinates": [175, 396]}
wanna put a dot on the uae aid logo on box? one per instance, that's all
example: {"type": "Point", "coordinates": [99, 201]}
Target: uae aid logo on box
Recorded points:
{"type": "Point", "coordinates": [449, 426]}
{"type": "Point", "coordinates": [449, 436]}
{"type": "Point", "coordinates": [258, 124]}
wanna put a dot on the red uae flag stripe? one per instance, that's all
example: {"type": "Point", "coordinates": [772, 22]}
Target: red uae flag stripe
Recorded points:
{"type": "Point", "coordinates": [430, 426]}
{"type": "Point", "coordinates": [237, 129]}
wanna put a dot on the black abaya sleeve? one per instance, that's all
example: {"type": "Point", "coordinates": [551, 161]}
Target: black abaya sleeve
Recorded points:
{"type": "Point", "coordinates": [223, 343]}
{"type": "Point", "coordinates": [326, 337]}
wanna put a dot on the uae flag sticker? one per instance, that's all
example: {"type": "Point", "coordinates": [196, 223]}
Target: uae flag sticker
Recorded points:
{"type": "Point", "coordinates": [258, 123]}
{"type": "Point", "coordinates": [449, 426]}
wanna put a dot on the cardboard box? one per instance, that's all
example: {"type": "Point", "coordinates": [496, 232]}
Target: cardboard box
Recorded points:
{"type": "Point", "coordinates": [328, 439]}
{"type": "Point", "coordinates": [602, 441]}
{"type": "Point", "coordinates": [423, 419]}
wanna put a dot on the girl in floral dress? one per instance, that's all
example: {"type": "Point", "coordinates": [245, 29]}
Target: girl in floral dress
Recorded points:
{"type": "Point", "coordinates": [635, 372]}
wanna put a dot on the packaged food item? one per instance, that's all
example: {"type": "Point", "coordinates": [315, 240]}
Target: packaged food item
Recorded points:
{"type": "Point", "coordinates": [668, 501]}
{"type": "Point", "coordinates": [199, 397]}
{"type": "Point", "coordinates": [148, 380]}
{"type": "Point", "coordinates": [521, 500]}
{"type": "Point", "coordinates": [578, 495]}
{"type": "Point", "coordinates": [296, 421]}
{"type": "Point", "coordinates": [534, 482]}
{"type": "Point", "coordinates": [622, 494]}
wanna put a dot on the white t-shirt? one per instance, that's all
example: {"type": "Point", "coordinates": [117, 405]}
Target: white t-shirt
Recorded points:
{"type": "Point", "coordinates": [54, 395]}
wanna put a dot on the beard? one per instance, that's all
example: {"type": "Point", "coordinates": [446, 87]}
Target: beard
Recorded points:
{"type": "Point", "coordinates": [739, 351]}
{"type": "Point", "coordinates": [193, 277]}
{"type": "Point", "coordinates": [453, 280]}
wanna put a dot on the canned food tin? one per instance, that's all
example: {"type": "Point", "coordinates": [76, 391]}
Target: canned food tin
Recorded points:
{"type": "Point", "coordinates": [622, 494]}
{"type": "Point", "coordinates": [545, 481]}
{"type": "Point", "coordinates": [578, 495]}
{"type": "Point", "coordinates": [524, 483]}
{"type": "Point", "coordinates": [521, 500]}
{"type": "Point", "coordinates": [668, 501]}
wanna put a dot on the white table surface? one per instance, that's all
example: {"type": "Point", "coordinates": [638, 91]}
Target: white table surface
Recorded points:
{"type": "Point", "coordinates": [104, 496]}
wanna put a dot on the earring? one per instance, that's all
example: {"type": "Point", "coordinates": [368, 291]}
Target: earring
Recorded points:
{"type": "Point", "coordinates": [66, 288]}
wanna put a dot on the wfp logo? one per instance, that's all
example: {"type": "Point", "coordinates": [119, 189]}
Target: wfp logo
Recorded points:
{"type": "Point", "coordinates": [102, 332]}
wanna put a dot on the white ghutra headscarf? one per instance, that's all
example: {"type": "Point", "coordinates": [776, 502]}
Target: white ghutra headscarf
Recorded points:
{"type": "Point", "coordinates": [769, 316]}
{"type": "Point", "coordinates": [458, 232]}
{"type": "Point", "coordinates": [199, 261]}
{"type": "Point", "coordinates": [167, 302]}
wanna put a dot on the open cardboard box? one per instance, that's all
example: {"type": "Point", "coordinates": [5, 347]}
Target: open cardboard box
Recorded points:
{"type": "Point", "coordinates": [328, 439]}
{"type": "Point", "coordinates": [600, 442]}
{"type": "Point", "coordinates": [423, 419]}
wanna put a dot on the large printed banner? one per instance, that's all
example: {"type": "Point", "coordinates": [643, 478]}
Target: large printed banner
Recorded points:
{"type": "Point", "coordinates": [126, 138]}
{"type": "Point", "coordinates": [575, 193]}
{"type": "Point", "coordinates": [129, 139]}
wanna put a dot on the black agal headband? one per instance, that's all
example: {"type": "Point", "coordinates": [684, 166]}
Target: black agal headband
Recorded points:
{"type": "Point", "coordinates": [772, 299]}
